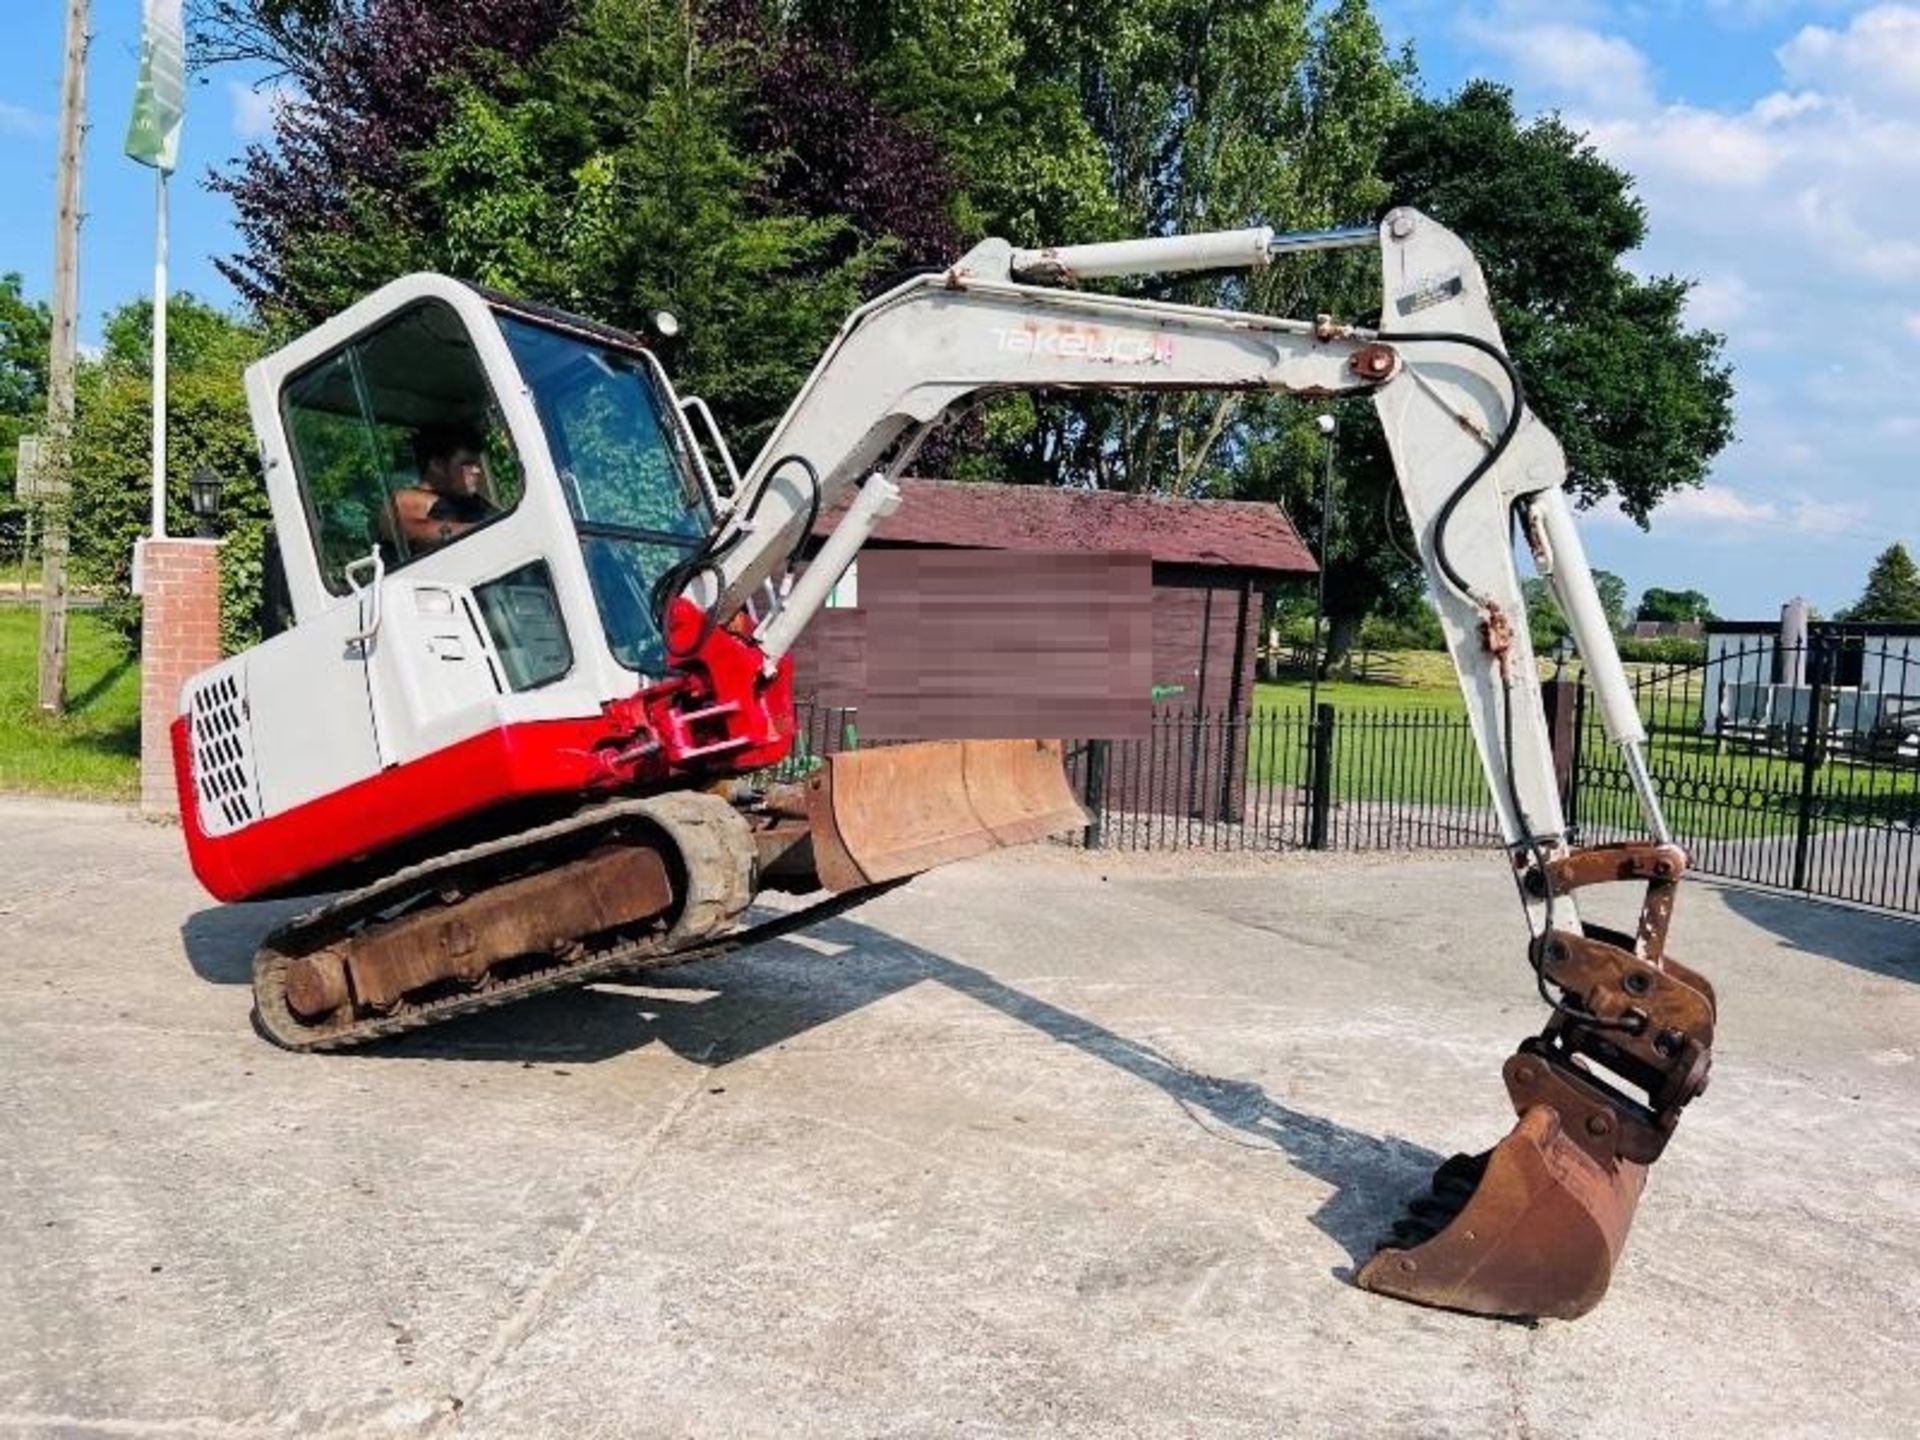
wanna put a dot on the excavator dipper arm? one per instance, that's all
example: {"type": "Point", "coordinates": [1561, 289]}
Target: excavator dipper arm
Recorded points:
{"type": "Point", "coordinates": [1534, 1226]}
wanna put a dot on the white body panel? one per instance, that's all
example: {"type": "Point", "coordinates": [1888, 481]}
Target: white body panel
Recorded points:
{"type": "Point", "coordinates": [1441, 417]}
{"type": "Point", "coordinates": [313, 729]}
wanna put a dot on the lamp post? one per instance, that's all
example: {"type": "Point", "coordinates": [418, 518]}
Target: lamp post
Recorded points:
{"type": "Point", "coordinates": [1562, 653]}
{"type": "Point", "coordinates": [1329, 427]}
{"type": "Point", "coordinates": [203, 494]}
{"type": "Point", "coordinates": [1319, 745]}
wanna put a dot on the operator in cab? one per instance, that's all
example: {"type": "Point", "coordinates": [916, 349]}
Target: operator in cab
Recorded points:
{"type": "Point", "coordinates": [449, 500]}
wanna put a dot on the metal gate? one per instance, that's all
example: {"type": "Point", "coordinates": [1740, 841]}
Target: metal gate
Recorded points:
{"type": "Point", "coordinates": [1789, 766]}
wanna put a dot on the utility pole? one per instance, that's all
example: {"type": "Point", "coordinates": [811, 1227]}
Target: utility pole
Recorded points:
{"type": "Point", "coordinates": [66, 306]}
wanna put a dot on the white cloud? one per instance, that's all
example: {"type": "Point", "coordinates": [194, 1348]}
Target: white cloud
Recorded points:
{"type": "Point", "coordinates": [1700, 146]}
{"type": "Point", "coordinates": [1722, 511]}
{"type": "Point", "coordinates": [1761, 12]}
{"type": "Point", "coordinates": [1795, 208]}
{"type": "Point", "coordinates": [1782, 105]}
{"type": "Point", "coordinates": [255, 107]}
{"type": "Point", "coordinates": [18, 120]}
{"type": "Point", "coordinates": [1719, 301]}
{"type": "Point", "coordinates": [1716, 504]}
{"type": "Point", "coordinates": [1569, 62]}
{"type": "Point", "coordinates": [1828, 517]}
{"type": "Point", "coordinates": [1878, 53]}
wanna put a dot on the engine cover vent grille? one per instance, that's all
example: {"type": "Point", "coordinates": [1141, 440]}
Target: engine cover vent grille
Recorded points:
{"type": "Point", "coordinates": [223, 772]}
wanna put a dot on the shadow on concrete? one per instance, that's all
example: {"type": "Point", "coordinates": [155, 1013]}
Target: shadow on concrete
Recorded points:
{"type": "Point", "coordinates": [1883, 944]}
{"type": "Point", "coordinates": [1371, 1176]}
{"type": "Point", "coordinates": [718, 1011]}
{"type": "Point", "coordinates": [221, 939]}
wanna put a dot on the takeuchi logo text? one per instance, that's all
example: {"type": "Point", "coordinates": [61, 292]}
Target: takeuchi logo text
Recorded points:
{"type": "Point", "coordinates": [1085, 342]}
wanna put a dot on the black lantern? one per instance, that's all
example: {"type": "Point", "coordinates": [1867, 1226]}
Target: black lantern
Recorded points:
{"type": "Point", "coordinates": [1562, 653]}
{"type": "Point", "coordinates": [203, 492]}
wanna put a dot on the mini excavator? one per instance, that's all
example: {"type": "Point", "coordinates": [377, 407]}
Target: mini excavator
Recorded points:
{"type": "Point", "coordinates": [539, 670]}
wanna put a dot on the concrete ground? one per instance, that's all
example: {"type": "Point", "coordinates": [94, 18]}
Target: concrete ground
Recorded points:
{"type": "Point", "coordinates": [1032, 1147]}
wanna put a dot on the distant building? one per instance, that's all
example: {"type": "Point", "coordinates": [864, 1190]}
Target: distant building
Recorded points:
{"type": "Point", "coordinates": [1213, 561]}
{"type": "Point", "coordinates": [1668, 629]}
{"type": "Point", "coordinates": [1865, 677]}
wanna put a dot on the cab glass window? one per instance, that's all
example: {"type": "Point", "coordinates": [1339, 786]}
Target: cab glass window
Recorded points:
{"type": "Point", "coordinates": [398, 443]}
{"type": "Point", "coordinates": [523, 619]}
{"type": "Point", "coordinates": [629, 481]}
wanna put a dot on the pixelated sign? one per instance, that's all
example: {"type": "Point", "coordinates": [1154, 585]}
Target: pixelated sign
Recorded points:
{"type": "Point", "coordinates": [1000, 644]}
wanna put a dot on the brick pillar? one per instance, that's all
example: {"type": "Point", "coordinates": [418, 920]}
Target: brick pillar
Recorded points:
{"type": "Point", "coordinates": [179, 636]}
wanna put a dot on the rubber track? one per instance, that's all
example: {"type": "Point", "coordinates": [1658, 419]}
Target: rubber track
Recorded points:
{"type": "Point", "coordinates": [719, 888]}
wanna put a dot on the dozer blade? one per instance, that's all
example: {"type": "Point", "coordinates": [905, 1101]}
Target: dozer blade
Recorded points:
{"type": "Point", "coordinates": [1533, 1228]}
{"type": "Point", "coordinates": [893, 811]}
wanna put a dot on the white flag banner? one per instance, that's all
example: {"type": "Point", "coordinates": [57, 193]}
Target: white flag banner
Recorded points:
{"type": "Point", "coordinates": [160, 93]}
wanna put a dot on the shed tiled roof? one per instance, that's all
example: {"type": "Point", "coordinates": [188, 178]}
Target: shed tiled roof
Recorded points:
{"type": "Point", "coordinates": [1232, 534]}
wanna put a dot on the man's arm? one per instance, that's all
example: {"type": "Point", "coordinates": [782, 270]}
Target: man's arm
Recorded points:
{"type": "Point", "coordinates": [419, 526]}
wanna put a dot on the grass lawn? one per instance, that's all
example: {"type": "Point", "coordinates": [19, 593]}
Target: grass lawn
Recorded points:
{"type": "Point", "coordinates": [94, 749]}
{"type": "Point", "coordinates": [1410, 680]}
{"type": "Point", "coordinates": [1402, 738]}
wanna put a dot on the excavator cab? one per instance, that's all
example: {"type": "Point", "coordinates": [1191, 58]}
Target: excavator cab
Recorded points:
{"type": "Point", "coordinates": [420, 436]}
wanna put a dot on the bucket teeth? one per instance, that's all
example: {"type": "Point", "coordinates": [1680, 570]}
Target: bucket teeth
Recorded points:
{"type": "Point", "coordinates": [1447, 1195]}
{"type": "Point", "coordinates": [1459, 1175]}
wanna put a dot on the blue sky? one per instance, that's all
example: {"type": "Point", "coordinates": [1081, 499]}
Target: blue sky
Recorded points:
{"type": "Point", "coordinates": [116, 256]}
{"type": "Point", "coordinates": [1777, 145]}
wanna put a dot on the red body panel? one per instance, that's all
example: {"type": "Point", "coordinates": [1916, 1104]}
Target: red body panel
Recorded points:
{"type": "Point", "coordinates": [512, 762]}
{"type": "Point", "coordinates": [720, 715]}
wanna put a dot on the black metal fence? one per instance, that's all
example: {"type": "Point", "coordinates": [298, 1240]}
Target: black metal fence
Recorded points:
{"type": "Point", "coordinates": [1353, 779]}
{"type": "Point", "coordinates": [1796, 767]}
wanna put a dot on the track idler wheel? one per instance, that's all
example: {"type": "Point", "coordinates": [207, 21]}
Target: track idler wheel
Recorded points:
{"type": "Point", "coordinates": [1534, 1227]}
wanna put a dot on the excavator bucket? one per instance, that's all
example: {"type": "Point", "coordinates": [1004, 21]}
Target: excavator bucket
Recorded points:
{"type": "Point", "coordinates": [1532, 1228]}
{"type": "Point", "coordinates": [884, 813]}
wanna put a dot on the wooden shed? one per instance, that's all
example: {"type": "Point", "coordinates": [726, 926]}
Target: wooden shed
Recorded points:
{"type": "Point", "coordinates": [1212, 563]}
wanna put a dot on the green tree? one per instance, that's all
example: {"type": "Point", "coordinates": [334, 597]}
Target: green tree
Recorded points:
{"type": "Point", "coordinates": [1146, 117]}
{"type": "Point", "coordinates": [207, 424]}
{"type": "Point", "coordinates": [1547, 622]}
{"type": "Point", "coordinates": [1673, 605]}
{"type": "Point", "coordinates": [1613, 598]}
{"type": "Point", "coordinates": [605, 176]}
{"type": "Point", "coordinates": [26, 329]}
{"type": "Point", "coordinates": [200, 336]}
{"type": "Point", "coordinates": [1893, 588]}
{"type": "Point", "coordinates": [1640, 402]}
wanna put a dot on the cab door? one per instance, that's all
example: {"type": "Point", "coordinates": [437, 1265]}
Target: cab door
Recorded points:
{"type": "Point", "coordinates": [369, 426]}
{"type": "Point", "coordinates": [310, 711]}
